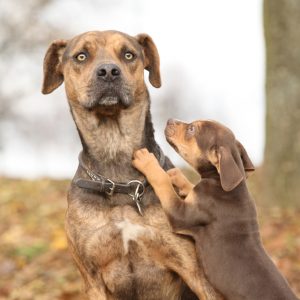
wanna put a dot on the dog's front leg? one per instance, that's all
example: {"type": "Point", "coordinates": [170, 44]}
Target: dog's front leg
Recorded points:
{"type": "Point", "coordinates": [147, 164]}
{"type": "Point", "coordinates": [179, 181]}
{"type": "Point", "coordinates": [182, 214]}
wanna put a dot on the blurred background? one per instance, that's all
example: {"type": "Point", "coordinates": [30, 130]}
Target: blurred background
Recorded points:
{"type": "Point", "coordinates": [234, 61]}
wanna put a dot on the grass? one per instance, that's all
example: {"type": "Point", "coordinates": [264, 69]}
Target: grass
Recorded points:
{"type": "Point", "coordinates": [35, 262]}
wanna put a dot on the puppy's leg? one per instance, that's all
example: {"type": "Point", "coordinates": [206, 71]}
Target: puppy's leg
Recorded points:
{"type": "Point", "coordinates": [147, 164]}
{"type": "Point", "coordinates": [179, 181]}
{"type": "Point", "coordinates": [182, 214]}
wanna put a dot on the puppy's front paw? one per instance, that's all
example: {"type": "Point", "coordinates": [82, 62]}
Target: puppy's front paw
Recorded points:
{"type": "Point", "coordinates": [143, 160]}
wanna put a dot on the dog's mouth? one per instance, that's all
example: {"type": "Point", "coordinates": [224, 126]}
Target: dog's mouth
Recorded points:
{"type": "Point", "coordinates": [170, 132]}
{"type": "Point", "coordinates": [108, 96]}
{"type": "Point", "coordinates": [172, 144]}
{"type": "Point", "coordinates": [114, 96]}
{"type": "Point", "coordinates": [109, 101]}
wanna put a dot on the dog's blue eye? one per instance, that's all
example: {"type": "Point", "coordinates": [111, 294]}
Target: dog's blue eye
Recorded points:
{"type": "Point", "coordinates": [81, 56]}
{"type": "Point", "coordinates": [128, 55]}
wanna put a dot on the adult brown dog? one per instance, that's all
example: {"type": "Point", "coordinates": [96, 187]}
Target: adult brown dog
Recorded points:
{"type": "Point", "coordinates": [218, 212]}
{"type": "Point", "coordinates": [120, 254]}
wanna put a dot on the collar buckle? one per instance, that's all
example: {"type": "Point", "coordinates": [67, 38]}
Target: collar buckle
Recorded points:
{"type": "Point", "coordinates": [138, 194]}
{"type": "Point", "coordinates": [139, 188]}
{"type": "Point", "coordinates": [111, 190]}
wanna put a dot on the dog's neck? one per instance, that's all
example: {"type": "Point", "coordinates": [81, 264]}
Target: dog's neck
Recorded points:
{"type": "Point", "coordinates": [208, 171]}
{"type": "Point", "coordinates": [108, 139]}
{"type": "Point", "coordinates": [212, 173]}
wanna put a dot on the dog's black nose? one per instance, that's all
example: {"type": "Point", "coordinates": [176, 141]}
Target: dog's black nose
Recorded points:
{"type": "Point", "coordinates": [108, 72]}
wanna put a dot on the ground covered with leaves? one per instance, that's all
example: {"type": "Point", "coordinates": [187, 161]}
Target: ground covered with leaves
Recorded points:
{"type": "Point", "coordinates": [35, 262]}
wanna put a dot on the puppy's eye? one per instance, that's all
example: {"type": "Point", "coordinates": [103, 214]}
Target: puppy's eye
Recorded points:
{"type": "Point", "coordinates": [191, 129]}
{"type": "Point", "coordinates": [81, 57]}
{"type": "Point", "coordinates": [128, 55]}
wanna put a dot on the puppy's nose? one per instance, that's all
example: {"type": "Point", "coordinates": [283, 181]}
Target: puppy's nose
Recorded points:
{"type": "Point", "coordinates": [172, 122]}
{"type": "Point", "coordinates": [108, 72]}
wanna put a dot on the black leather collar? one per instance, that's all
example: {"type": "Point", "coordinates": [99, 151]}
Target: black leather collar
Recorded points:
{"type": "Point", "coordinates": [101, 184]}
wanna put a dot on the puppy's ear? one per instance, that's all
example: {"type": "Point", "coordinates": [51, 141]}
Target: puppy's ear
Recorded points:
{"type": "Point", "coordinates": [248, 165]}
{"type": "Point", "coordinates": [230, 173]}
{"type": "Point", "coordinates": [151, 58]}
{"type": "Point", "coordinates": [53, 76]}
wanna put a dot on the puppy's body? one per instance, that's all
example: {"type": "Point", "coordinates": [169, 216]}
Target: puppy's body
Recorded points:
{"type": "Point", "coordinates": [231, 243]}
{"type": "Point", "coordinates": [120, 254]}
{"type": "Point", "coordinates": [218, 212]}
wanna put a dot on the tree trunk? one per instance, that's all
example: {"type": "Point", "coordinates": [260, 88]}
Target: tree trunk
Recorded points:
{"type": "Point", "coordinates": [282, 150]}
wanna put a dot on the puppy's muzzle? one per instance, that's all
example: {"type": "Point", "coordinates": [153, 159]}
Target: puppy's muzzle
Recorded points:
{"type": "Point", "coordinates": [170, 129]}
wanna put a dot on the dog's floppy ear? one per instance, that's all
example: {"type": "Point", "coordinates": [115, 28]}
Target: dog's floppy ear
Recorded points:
{"type": "Point", "coordinates": [248, 165]}
{"type": "Point", "coordinates": [53, 76]}
{"type": "Point", "coordinates": [230, 172]}
{"type": "Point", "coordinates": [151, 58]}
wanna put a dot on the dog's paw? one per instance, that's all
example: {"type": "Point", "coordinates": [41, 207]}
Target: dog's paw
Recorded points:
{"type": "Point", "coordinates": [143, 160]}
{"type": "Point", "coordinates": [177, 177]}
{"type": "Point", "coordinates": [178, 180]}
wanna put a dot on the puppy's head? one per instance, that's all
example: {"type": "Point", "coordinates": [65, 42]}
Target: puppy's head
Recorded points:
{"type": "Point", "coordinates": [208, 145]}
{"type": "Point", "coordinates": [102, 69]}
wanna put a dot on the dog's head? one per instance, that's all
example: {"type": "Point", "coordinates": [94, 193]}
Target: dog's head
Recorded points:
{"type": "Point", "coordinates": [208, 145]}
{"type": "Point", "coordinates": [102, 69]}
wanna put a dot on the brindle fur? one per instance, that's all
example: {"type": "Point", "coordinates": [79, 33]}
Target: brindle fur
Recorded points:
{"type": "Point", "coordinates": [120, 254]}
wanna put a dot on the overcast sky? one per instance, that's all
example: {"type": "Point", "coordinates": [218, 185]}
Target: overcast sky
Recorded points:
{"type": "Point", "coordinates": [212, 59]}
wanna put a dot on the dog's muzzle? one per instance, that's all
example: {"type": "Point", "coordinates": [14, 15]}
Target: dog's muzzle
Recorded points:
{"type": "Point", "coordinates": [170, 128]}
{"type": "Point", "coordinates": [170, 133]}
{"type": "Point", "coordinates": [109, 87]}
{"type": "Point", "coordinates": [109, 95]}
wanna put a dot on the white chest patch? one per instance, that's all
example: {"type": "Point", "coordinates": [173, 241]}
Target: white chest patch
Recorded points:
{"type": "Point", "coordinates": [131, 232]}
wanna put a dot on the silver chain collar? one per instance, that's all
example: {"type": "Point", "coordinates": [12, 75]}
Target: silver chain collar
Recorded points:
{"type": "Point", "coordinates": [137, 186]}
